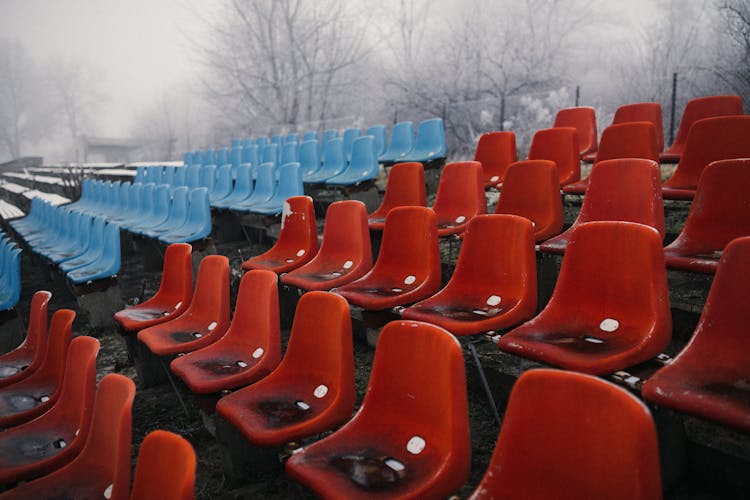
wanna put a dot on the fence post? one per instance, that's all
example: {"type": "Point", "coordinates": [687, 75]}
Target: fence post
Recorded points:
{"type": "Point", "coordinates": [674, 96]}
{"type": "Point", "coordinates": [578, 94]}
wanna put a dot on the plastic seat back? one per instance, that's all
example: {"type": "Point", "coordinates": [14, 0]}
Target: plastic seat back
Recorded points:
{"type": "Point", "coordinates": [699, 108]}
{"type": "Point", "coordinates": [179, 176]}
{"type": "Point", "coordinates": [628, 140]}
{"type": "Point", "coordinates": [643, 112]}
{"type": "Point", "coordinates": [560, 145]}
{"type": "Point", "coordinates": [363, 165]}
{"type": "Point", "coordinates": [333, 162]}
{"type": "Point", "coordinates": [289, 153]}
{"type": "Point", "coordinates": [328, 135]}
{"type": "Point", "coordinates": [107, 263]}
{"type": "Point", "coordinates": [193, 177]}
{"type": "Point", "coordinates": [348, 141]}
{"type": "Point", "coordinates": [297, 243]}
{"type": "Point", "coordinates": [345, 253]}
{"type": "Point", "coordinates": [495, 151]}
{"type": "Point", "coordinates": [96, 243]}
{"type": "Point", "coordinates": [310, 135]}
{"type": "Point", "coordinates": [243, 187]}
{"type": "Point", "coordinates": [167, 176]}
{"type": "Point", "coordinates": [27, 357]}
{"type": "Point", "coordinates": [719, 214]}
{"type": "Point", "coordinates": [140, 174]}
{"type": "Point", "coordinates": [430, 142]}
{"type": "Point", "coordinates": [378, 134]}
{"type": "Point", "coordinates": [261, 142]}
{"type": "Point", "coordinates": [290, 184]}
{"type": "Point", "coordinates": [606, 436]}
{"type": "Point", "coordinates": [165, 468]}
{"type": "Point", "coordinates": [270, 154]}
{"type": "Point", "coordinates": [401, 143]}
{"type": "Point", "coordinates": [178, 210]}
{"type": "Point", "coordinates": [710, 139]}
{"type": "Point", "coordinates": [208, 176]}
{"type": "Point", "coordinates": [222, 157]}
{"type": "Point", "coordinates": [198, 222]}
{"type": "Point", "coordinates": [411, 437]}
{"type": "Point", "coordinates": [309, 158]}
{"type": "Point", "coordinates": [583, 119]}
{"type": "Point", "coordinates": [250, 155]}
{"type": "Point", "coordinates": [264, 187]}
{"type": "Point", "coordinates": [405, 187]}
{"type": "Point", "coordinates": [531, 189]}
{"type": "Point", "coordinates": [223, 186]}
{"type": "Point", "coordinates": [197, 158]}
{"type": "Point", "coordinates": [460, 196]}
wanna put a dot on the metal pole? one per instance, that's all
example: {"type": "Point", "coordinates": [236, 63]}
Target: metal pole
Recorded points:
{"type": "Point", "coordinates": [502, 112]}
{"type": "Point", "coordinates": [578, 94]}
{"type": "Point", "coordinates": [674, 97]}
{"type": "Point", "coordinates": [485, 384]}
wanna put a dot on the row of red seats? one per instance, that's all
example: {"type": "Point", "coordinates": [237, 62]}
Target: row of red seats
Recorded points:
{"type": "Point", "coordinates": [64, 437]}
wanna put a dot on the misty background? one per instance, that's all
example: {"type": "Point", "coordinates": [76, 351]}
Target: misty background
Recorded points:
{"type": "Point", "coordinates": [174, 75]}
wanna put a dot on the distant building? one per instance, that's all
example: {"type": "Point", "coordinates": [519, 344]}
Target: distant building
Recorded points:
{"type": "Point", "coordinates": [107, 149]}
{"type": "Point", "coordinates": [20, 164]}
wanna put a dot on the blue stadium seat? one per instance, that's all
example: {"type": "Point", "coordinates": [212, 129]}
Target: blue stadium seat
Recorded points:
{"type": "Point", "coordinates": [197, 158]}
{"type": "Point", "coordinates": [329, 134]}
{"type": "Point", "coordinates": [363, 166]}
{"type": "Point", "coordinates": [198, 223]}
{"type": "Point", "coordinates": [107, 263]}
{"type": "Point", "coordinates": [378, 133]}
{"type": "Point", "coordinates": [290, 184]}
{"type": "Point", "coordinates": [264, 189]}
{"type": "Point", "coordinates": [223, 186]}
{"type": "Point", "coordinates": [133, 204]}
{"type": "Point", "coordinates": [402, 142]}
{"type": "Point", "coordinates": [261, 142]}
{"type": "Point", "coordinates": [187, 158]}
{"type": "Point", "coordinates": [167, 176]}
{"type": "Point", "coordinates": [310, 135]}
{"type": "Point", "coordinates": [270, 154]}
{"type": "Point", "coordinates": [243, 188]}
{"type": "Point", "coordinates": [222, 157]}
{"type": "Point", "coordinates": [140, 174]}
{"type": "Point", "coordinates": [349, 135]}
{"type": "Point", "coordinates": [177, 215]}
{"type": "Point", "coordinates": [179, 177]}
{"type": "Point", "coordinates": [81, 243]}
{"type": "Point", "coordinates": [159, 210]}
{"type": "Point", "coordinates": [250, 155]}
{"type": "Point", "coordinates": [193, 177]}
{"type": "Point", "coordinates": [10, 282]}
{"type": "Point", "coordinates": [309, 158]}
{"type": "Point", "coordinates": [289, 153]}
{"type": "Point", "coordinates": [333, 163]}
{"type": "Point", "coordinates": [96, 243]}
{"type": "Point", "coordinates": [209, 157]}
{"type": "Point", "coordinates": [208, 177]}
{"type": "Point", "coordinates": [293, 137]}
{"type": "Point", "coordinates": [236, 143]}
{"type": "Point", "coordinates": [144, 209]}
{"type": "Point", "coordinates": [430, 143]}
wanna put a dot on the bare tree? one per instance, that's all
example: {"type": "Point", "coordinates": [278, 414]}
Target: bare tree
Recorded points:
{"type": "Point", "coordinates": [733, 66]}
{"type": "Point", "coordinates": [74, 91]}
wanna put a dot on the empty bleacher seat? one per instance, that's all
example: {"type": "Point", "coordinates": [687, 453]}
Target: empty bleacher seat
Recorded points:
{"type": "Point", "coordinates": [430, 142]}
{"type": "Point", "coordinates": [348, 138]}
{"type": "Point", "coordinates": [242, 189]}
{"type": "Point", "coordinates": [289, 185]}
{"type": "Point", "coordinates": [363, 165]}
{"type": "Point", "coordinates": [310, 135]}
{"type": "Point", "coordinates": [26, 358]}
{"type": "Point", "coordinates": [263, 190]}
{"type": "Point", "coordinates": [345, 254]}
{"type": "Point", "coordinates": [178, 211]}
{"type": "Point", "coordinates": [619, 190]}
{"type": "Point", "coordinates": [308, 155]}
{"type": "Point", "coordinates": [10, 281]}
{"type": "Point", "coordinates": [379, 138]}
{"type": "Point", "coordinates": [107, 261]}
{"type": "Point", "coordinates": [598, 441]}
{"type": "Point", "coordinates": [249, 350]}
{"type": "Point", "coordinates": [709, 377]}
{"type": "Point", "coordinates": [405, 187]}
{"type": "Point", "coordinates": [312, 389]}
{"type": "Point", "coordinates": [165, 468]}
{"type": "Point", "coordinates": [157, 215]}
{"type": "Point", "coordinates": [643, 112]}
{"type": "Point", "coordinates": [719, 213]}
{"type": "Point", "coordinates": [401, 143]}
{"type": "Point", "coordinates": [223, 186]}
{"type": "Point", "coordinates": [583, 119]}
{"type": "Point", "coordinates": [333, 162]}
{"type": "Point", "coordinates": [460, 196]}
{"type": "Point", "coordinates": [410, 438]}
{"type": "Point", "coordinates": [289, 153]}
{"type": "Point", "coordinates": [560, 145]}
{"type": "Point", "coordinates": [495, 151]}
{"type": "Point", "coordinates": [197, 224]}
{"type": "Point", "coordinates": [493, 285]}
{"type": "Point", "coordinates": [610, 306]}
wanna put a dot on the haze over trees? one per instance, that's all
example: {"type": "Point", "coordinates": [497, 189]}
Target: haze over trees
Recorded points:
{"type": "Point", "coordinates": [272, 65]}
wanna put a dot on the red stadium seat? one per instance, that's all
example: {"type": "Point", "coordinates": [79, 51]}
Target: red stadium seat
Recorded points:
{"type": "Point", "coordinates": [54, 438]}
{"type": "Point", "coordinates": [720, 213]}
{"type": "Point", "coordinates": [102, 469]}
{"type": "Point", "coordinates": [410, 438]}
{"type": "Point", "coordinates": [696, 109]}
{"type": "Point", "coordinates": [165, 468]}
{"type": "Point", "coordinates": [27, 358]}
{"type": "Point", "coordinates": [173, 297]}
{"type": "Point", "coordinates": [204, 321]}
{"type": "Point", "coordinates": [408, 266]}
{"type": "Point", "coordinates": [710, 139]}
{"type": "Point", "coordinates": [405, 188]}
{"type": "Point", "coordinates": [494, 284]}
{"type": "Point", "coordinates": [643, 112]}
{"type": "Point", "coordinates": [583, 119]}
{"type": "Point", "coordinates": [559, 145]}
{"type": "Point", "coordinates": [312, 390]}
{"type": "Point", "coordinates": [610, 307]}
{"type": "Point", "coordinates": [298, 239]}
{"type": "Point", "coordinates": [460, 196]}
{"type": "Point", "coordinates": [625, 190]}
{"type": "Point", "coordinates": [495, 151]}
{"type": "Point", "coordinates": [709, 378]}
{"type": "Point", "coordinates": [249, 350]}
{"type": "Point", "coordinates": [345, 254]}
{"type": "Point", "coordinates": [570, 435]}
{"type": "Point", "coordinates": [35, 394]}
{"type": "Point", "coordinates": [531, 190]}
{"type": "Point", "coordinates": [624, 140]}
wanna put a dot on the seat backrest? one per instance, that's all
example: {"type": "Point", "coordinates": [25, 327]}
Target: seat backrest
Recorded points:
{"type": "Point", "coordinates": [250, 155]}
{"type": "Point", "coordinates": [193, 176]}
{"type": "Point", "coordinates": [208, 176]}
{"type": "Point", "coordinates": [349, 135]}
{"type": "Point", "coordinates": [53, 364]}
{"type": "Point", "coordinates": [405, 187]}
{"type": "Point", "coordinates": [628, 140]}
{"type": "Point", "coordinates": [402, 139]}
{"type": "Point", "coordinates": [176, 286]}
{"type": "Point", "coordinates": [211, 295]}
{"type": "Point", "coordinates": [235, 155]}
{"type": "Point", "coordinates": [123, 198]}
{"type": "Point", "coordinates": [270, 154]}
{"type": "Point", "coordinates": [179, 208]}
{"type": "Point", "coordinates": [308, 156]}
{"type": "Point", "coordinates": [222, 157]}
{"type": "Point", "coordinates": [721, 209]}
{"type": "Point", "coordinates": [378, 134]}
{"type": "Point", "coordinates": [140, 174]}
{"type": "Point", "coordinates": [160, 209]}
{"type": "Point", "coordinates": [329, 134]}
{"type": "Point", "coordinates": [599, 441]}
{"type": "Point", "coordinates": [531, 189]}
{"type": "Point", "coordinates": [209, 157]}
{"type": "Point", "coordinates": [364, 160]}
{"type": "Point", "coordinates": [626, 189]}
{"type": "Point", "coordinates": [460, 191]}
{"type": "Point", "coordinates": [711, 139]}
{"type": "Point", "coordinates": [111, 252]}
{"type": "Point", "coordinates": [298, 227]}
{"type": "Point", "coordinates": [495, 151]}
{"type": "Point", "coordinates": [265, 184]}
{"type": "Point", "coordinates": [431, 137]}
{"type": "Point", "coordinates": [704, 107]}
{"type": "Point", "coordinates": [346, 237]}
{"type": "Point", "coordinates": [199, 212]}
{"type": "Point", "coordinates": [243, 184]}
{"type": "Point", "coordinates": [643, 112]}
{"type": "Point", "coordinates": [35, 343]}
{"type": "Point", "coordinates": [560, 145]}
{"type": "Point", "coordinates": [179, 176]}
{"type": "Point", "coordinates": [289, 152]}
{"type": "Point", "coordinates": [168, 175]}
{"type": "Point", "coordinates": [334, 160]}
{"type": "Point", "coordinates": [261, 142]}
{"type": "Point", "coordinates": [290, 181]}
{"type": "Point", "coordinates": [310, 135]}
{"type": "Point", "coordinates": [223, 183]}
{"type": "Point", "coordinates": [96, 242]}
{"type": "Point", "coordinates": [165, 468]}
{"type": "Point", "coordinates": [583, 119]}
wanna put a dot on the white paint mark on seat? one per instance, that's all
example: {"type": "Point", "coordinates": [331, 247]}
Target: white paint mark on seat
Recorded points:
{"type": "Point", "coordinates": [609, 325]}
{"type": "Point", "coordinates": [320, 391]}
{"type": "Point", "coordinates": [348, 264]}
{"type": "Point", "coordinates": [410, 279]}
{"type": "Point", "coordinates": [395, 464]}
{"type": "Point", "coordinates": [460, 219]}
{"type": "Point", "coordinates": [212, 326]}
{"type": "Point", "coordinates": [493, 300]}
{"type": "Point", "coordinates": [300, 252]}
{"type": "Point", "coordinates": [258, 353]}
{"type": "Point", "coordinates": [416, 445]}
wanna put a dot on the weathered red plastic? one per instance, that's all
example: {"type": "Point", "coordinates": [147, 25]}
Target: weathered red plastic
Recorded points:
{"type": "Point", "coordinates": [408, 266]}
{"type": "Point", "coordinates": [27, 358]}
{"type": "Point", "coordinates": [205, 320]}
{"type": "Point", "coordinates": [610, 307]}
{"type": "Point", "coordinates": [531, 190]}
{"type": "Point", "coordinates": [495, 151]}
{"type": "Point", "coordinates": [345, 254]}
{"type": "Point", "coordinates": [696, 109]}
{"type": "Point", "coordinates": [165, 468]}
{"type": "Point", "coordinates": [493, 285]}
{"type": "Point", "coordinates": [405, 188]}
{"type": "Point", "coordinates": [560, 145]}
{"type": "Point", "coordinates": [626, 189]}
{"type": "Point", "coordinates": [643, 112]}
{"type": "Point", "coordinates": [35, 394]}
{"type": "Point", "coordinates": [570, 435]}
{"type": "Point", "coordinates": [460, 196]}
{"type": "Point", "coordinates": [312, 390]}
{"type": "Point", "coordinates": [410, 438]}
{"type": "Point", "coordinates": [54, 438]}
{"type": "Point", "coordinates": [173, 297]}
{"type": "Point", "coordinates": [709, 378]}
{"type": "Point", "coordinates": [709, 140]}
{"type": "Point", "coordinates": [624, 140]}
{"type": "Point", "coordinates": [102, 469]}
{"type": "Point", "coordinates": [583, 119]}
{"type": "Point", "coordinates": [719, 214]}
{"type": "Point", "coordinates": [250, 349]}
{"type": "Point", "coordinates": [298, 239]}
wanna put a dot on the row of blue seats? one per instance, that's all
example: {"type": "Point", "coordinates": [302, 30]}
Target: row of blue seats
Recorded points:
{"type": "Point", "coordinates": [85, 247]}
{"type": "Point", "coordinates": [170, 213]}
{"type": "Point", "coordinates": [10, 273]}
